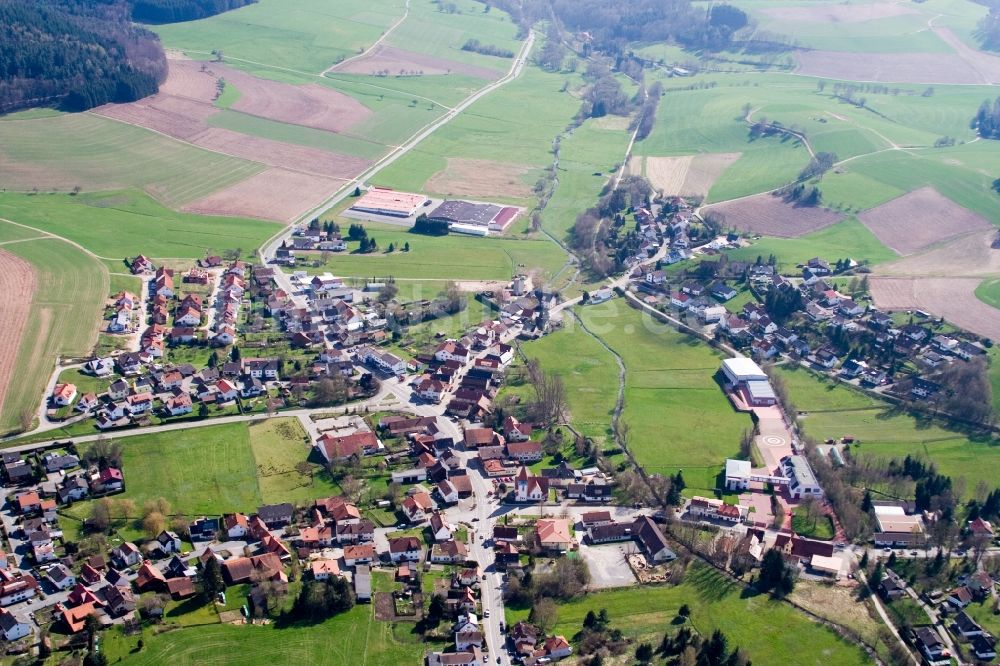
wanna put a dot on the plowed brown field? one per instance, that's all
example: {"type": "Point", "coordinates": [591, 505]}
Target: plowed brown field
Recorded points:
{"type": "Point", "coordinates": [920, 219]}
{"type": "Point", "coordinates": [17, 284]}
{"type": "Point", "coordinates": [951, 298]}
{"type": "Point", "coordinates": [770, 216]}
{"type": "Point", "coordinates": [393, 61]}
{"type": "Point", "coordinates": [274, 194]}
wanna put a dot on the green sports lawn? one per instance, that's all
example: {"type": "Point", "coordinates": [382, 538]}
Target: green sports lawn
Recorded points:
{"type": "Point", "coordinates": [884, 431]}
{"type": "Point", "coordinates": [71, 287]}
{"type": "Point", "coordinates": [451, 257]}
{"type": "Point", "coordinates": [127, 223]}
{"type": "Point", "coordinates": [678, 416]}
{"type": "Point", "coordinates": [63, 151]}
{"type": "Point", "coordinates": [770, 632]}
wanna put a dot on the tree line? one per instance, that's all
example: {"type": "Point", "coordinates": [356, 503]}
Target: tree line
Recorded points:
{"type": "Point", "coordinates": [173, 11]}
{"type": "Point", "coordinates": [75, 55]}
{"type": "Point", "coordinates": [475, 46]}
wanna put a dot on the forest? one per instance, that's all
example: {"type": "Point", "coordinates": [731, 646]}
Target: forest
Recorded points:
{"type": "Point", "coordinates": [611, 26]}
{"type": "Point", "coordinates": [172, 11]}
{"type": "Point", "coordinates": [74, 55]}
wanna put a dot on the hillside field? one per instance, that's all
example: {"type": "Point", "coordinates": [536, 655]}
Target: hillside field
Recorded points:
{"type": "Point", "coordinates": [123, 224]}
{"type": "Point", "coordinates": [70, 293]}
{"type": "Point", "coordinates": [884, 431]}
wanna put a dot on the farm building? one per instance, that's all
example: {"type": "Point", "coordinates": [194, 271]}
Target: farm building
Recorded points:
{"type": "Point", "coordinates": [473, 218]}
{"type": "Point", "coordinates": [383, 201]}
{"type": "Point", "coordinates": [746, 377]}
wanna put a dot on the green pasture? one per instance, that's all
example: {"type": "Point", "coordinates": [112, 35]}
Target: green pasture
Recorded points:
{"type": "Point", "coordinates": [95, 153]}
{"type": "Point", "coordinates": [451, 257]}
{"type": "Point", "coordinates": [207, 470]}
{"type": "Point", "coordinates": [884, 431]}
{"type": "Point", "coordinates": [677, 414]}
{"type": "Point", "coordinates": [769, 631]}
{"type": "Point", "coordinates": [849, 238]}
{"type": "Point", "coordinates": [126, 223]}
{"type": "Point", "coordinates": [308, 36]}
{"type": "Point", "coordinates": [338, 640]}
{"type": "Point", "coordinates": [279, 447]}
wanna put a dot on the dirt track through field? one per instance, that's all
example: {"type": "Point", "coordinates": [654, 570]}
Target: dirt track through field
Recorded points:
{"type": "Point", "coordinates": [769, 215]}
{"type": "Point", "coordinates": [954, 299]}
{"type": "Point", "coordinates": [17, 284]}
{"type": "Point", "coordinates": [919, 219]}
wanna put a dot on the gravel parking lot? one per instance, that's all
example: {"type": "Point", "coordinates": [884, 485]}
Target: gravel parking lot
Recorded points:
{"type": "Point", "coordinates": [607, 565]}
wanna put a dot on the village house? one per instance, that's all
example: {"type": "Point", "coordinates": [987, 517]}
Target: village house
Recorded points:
{"type": "Point", "coordinates": [554, 534]}
{"type": "Point", "coordinates": [405, 549]}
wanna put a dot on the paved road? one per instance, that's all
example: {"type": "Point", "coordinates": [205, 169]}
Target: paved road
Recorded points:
{"type": "Point", "coordinates": [266, 251]}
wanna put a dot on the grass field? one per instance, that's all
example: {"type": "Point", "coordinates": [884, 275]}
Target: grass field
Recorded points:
{"type": "Point", "coordinates": [678, 416]}
{"type": "Point", "coordinates": [516, 125]}
{"type": "Point", "coordinates": [352, 637]}
{"type": "Point", "coordinates": [589, 374]}
{"type": "Point", "coordinates": [70, 293]}
{"type": "Point", "coordinates": [65, 151]}
{"type": "Point", "coordinates": [280, 446]}
{"type": "Point", "coordinates": [849, 238]}
{"type": "Point", "coordinates": [989, 292]}
{"type": "Point", "coordinates": [884, 431]}
{"type": "Point", "coordinates": [820, 528]}
{"type": "Point", "coordinates": [452, 257]}
{"type": "Point", "coordinates": [127, 223]}
{"type": "Point", "coordinates": [769, 631]}
{"type": "Point", "coordinates": [208, 470]}
{"type": "Point", "coordinates": [308, 37]}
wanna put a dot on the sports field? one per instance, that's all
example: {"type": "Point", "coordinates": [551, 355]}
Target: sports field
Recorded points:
{"type": "Point", "coordinates": [126, 223]}
{"type": "Point", "coordinates": [884, 431]}
{"type": "Point", "coordinates": [70, 290]}
{"type": "Point", "coordinates": [770, 632]}
{"type": "Point", "coordinates": [677, 414]}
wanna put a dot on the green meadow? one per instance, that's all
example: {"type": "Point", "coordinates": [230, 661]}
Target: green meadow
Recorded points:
{"type": "Point", "coordinates": [884, 431]}
{"type": "Point", "coordinates": [849, 238]}
{"type": "Point", "coordinates": [769, 631]}
{"type": "Point", "coordinates": [65, 151]}
{"type": "Point", "coordinates": [451, 257]}
{"type": "Point", "coordinates": [677, 414]}
{"type": "Point", "coordinates": [123, 224]}
{"type": "Point", "coordinates": [70, 288]}
{"type": "Point", "coordinates": [308, 36]}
